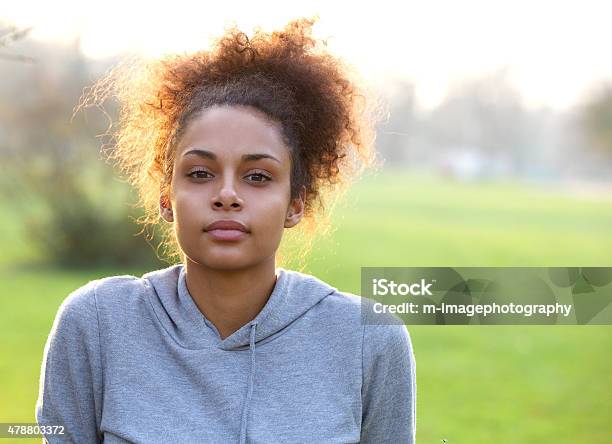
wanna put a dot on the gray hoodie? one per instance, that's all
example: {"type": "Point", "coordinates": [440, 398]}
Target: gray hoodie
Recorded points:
{"type": "Point", "coordinates": [133, 359]}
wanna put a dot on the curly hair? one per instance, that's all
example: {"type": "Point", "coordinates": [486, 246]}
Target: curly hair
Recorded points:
{"type": "Point", "coordinates": [327, 116]}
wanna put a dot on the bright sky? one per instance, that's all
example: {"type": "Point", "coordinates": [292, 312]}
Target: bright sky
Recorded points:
{"type": "Point", "coordinates": [555, 49]}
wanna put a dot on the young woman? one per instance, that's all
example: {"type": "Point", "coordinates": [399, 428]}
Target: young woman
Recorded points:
{"type": "Point", "coordinates": [231, 146]}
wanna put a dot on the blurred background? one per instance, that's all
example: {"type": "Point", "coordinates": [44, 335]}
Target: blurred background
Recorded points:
{"type": "Point", "coordinates": [497, 151]}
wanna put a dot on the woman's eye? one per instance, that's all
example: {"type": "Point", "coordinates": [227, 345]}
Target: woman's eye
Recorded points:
{"type": "Point", "coordinates": [255, 177]}
{"type": "Point", "coordinates": [260, 177]}
{"type": "Point", "coordinates": [199, 174]}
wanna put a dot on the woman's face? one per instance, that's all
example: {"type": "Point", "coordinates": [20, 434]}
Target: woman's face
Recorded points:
{"type": "Point", "coordinates": [231, 165]}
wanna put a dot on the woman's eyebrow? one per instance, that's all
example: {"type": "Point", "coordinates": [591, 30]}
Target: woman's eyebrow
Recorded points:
{"type": "Point", "coordinates": [245, 157]}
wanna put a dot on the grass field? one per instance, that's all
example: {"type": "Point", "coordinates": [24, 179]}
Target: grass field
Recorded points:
{"type": "Point", "coordinates": [476, 384]}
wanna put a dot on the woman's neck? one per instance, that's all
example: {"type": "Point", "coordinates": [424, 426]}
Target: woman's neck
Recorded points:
{"type": "Point", "coordinates": [230, 298]}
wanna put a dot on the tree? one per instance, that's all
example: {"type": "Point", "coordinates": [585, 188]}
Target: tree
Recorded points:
{"type": "Point", "coordinates": [10, 35]}
{"type": "Point", "coordinates": [596, 119]}
{"type": "Point", "coordinates": [70, 204]}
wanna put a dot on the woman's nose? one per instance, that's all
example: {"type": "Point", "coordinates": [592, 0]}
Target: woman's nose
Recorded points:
{"type": "Point", "coordinates": [227, 196]}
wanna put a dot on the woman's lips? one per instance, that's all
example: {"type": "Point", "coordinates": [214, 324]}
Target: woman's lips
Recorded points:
{"type": "Point", "coordinates": [227, 235]}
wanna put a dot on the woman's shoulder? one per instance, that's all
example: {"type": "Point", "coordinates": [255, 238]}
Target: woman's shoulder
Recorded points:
{"type": "Point", "coordinates": [342, 303]}
{"type": "Point", "coordinates": [381, 333]}
{"type": "Point", "coordinates": [343, 300]}
{"type": "Point", "coordinates": [116, 290]}
{"type": "Point", "coordinates": [339, 302]}
{"type": "Point", "coordinates": [78, 313]}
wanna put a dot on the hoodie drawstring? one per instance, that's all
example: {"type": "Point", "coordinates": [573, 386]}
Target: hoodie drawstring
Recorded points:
{"type": "Point", "coordinates": [245, 409]}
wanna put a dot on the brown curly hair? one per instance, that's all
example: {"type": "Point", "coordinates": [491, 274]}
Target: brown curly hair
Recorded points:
{"type": "Point", "coordinates": [327, 117]}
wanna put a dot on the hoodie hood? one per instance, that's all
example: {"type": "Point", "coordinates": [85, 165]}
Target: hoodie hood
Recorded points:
{"type": "Point", "coordinates": [293, 295]}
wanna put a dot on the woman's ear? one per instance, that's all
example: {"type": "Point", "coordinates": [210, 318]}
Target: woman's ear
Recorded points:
{"type": "Point", "coordinates": [165, 209]}
{"type": "Point", "coordinates": [295, 212]}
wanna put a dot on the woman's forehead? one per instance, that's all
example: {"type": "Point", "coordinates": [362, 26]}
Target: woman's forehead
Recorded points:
{"type": "Point", "coordinates": [233, 131]}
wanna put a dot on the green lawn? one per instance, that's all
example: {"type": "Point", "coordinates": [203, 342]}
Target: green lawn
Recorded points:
{"type": "Point", "coordinates": [502, 384]}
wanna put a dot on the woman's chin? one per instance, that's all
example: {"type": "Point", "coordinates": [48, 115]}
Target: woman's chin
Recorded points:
{"type": "Point", "coordinates": [223, 260]}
